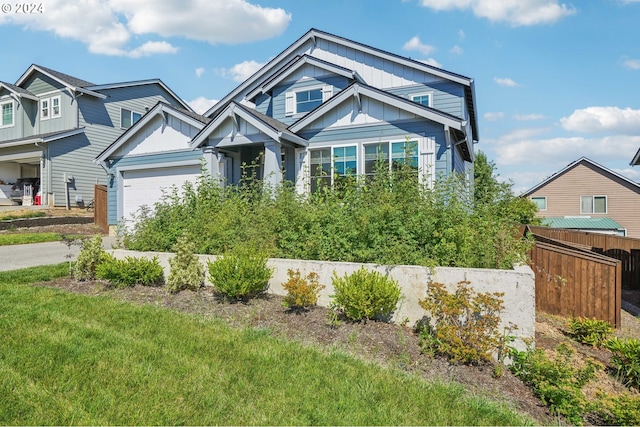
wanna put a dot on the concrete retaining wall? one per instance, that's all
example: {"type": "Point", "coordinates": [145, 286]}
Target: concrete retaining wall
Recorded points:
{"type": "Point", "coordinates": [518, 285]}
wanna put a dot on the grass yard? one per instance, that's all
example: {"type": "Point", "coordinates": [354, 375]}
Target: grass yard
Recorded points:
{"type": "Point", "coordinates": [70, 359]}
{"type": "Point", "coordinates": [24, 238]}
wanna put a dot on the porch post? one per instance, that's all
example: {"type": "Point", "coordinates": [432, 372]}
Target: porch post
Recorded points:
{"type": "Point", "coordinates": [272, 163]}
{"type": "Point", "coordinates": [212, 159]}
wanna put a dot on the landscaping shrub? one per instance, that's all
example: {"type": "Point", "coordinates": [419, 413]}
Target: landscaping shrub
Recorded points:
{"type": "Point", "coordinates": [462, 326]}
{"type": "Point", "coordinates": [90, 256]}
{"type": "Point", "coordinates": [626, 360]}
{"type": "Point", "coordinates": [557, 382]}
{"type": "Point", "coordinates": [620, 410]}
{"type": "Point", "coordinates": [302, 292]}
{"type": "Point", "coordinates": [240, 274]}
{"type": "Point", "coordinates": [186, 270]}
{"type": "Point", "coordinates": [131, 271]}
{"type": "Point", "coordinates": [365, 295]}
{"type": "Point", "coordinates": [592, 332]}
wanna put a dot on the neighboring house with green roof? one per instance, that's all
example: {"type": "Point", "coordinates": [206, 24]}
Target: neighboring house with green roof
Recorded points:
{"type": "Point", "coordinates": [587, 196]}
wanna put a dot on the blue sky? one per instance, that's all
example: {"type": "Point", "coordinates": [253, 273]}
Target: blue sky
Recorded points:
{"type": "Point", "coordinates": [555, 81]}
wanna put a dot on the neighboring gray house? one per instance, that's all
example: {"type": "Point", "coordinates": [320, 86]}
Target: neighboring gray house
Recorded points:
{"type": "Point", "coordinates": [53, 126]}
{"type": "Point", "coordinates": [323, 108]}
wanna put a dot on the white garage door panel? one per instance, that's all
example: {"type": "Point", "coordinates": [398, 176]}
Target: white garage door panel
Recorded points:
{"type": "Point", "coordinates": [144, 187]}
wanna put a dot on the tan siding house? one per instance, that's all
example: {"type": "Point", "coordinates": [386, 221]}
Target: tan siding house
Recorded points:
{"type": "Point", "coordinates": [587, 189]}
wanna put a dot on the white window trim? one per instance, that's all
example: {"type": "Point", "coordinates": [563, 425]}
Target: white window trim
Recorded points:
{"type": "Point", "coordinates": [13, 114]}
{"type": "Point", "coordinates": [545, 202]}
{"type": "Point", "coordinates": [606, 205]}
{"type": "Point", "coordinates": [52, 114]}
{"type": "Point", "coordinates": [291, 106]}
{"type": "Point", "coordinates": [429, 93]}
{"type": "Point", "coordinates": [131, 112]}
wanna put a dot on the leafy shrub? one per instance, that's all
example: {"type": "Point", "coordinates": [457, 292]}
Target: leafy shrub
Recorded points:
{"type": "Point", "coordinates": [365, 295]}
{"type": "Point", "coordinates": [593, 332]}
{"type": "Point", "coordinates": [90, 256]}
{"type": "Point", "coordinates": [621, 410]}
{"type": "Point", "coordinates": [462, 326]}
{"type": "Point", "coordinates": [131, 271]}
{"type": "Point", "coordinates": [186, 270]}
{"type": "Point", "coordinates": [558, 382]}
{"type": "Point", "coordinates": [302, 292]}
{"type": "Point", "coordinates": [626, 360]}
{"type": "Point", "coordinates": [240, 274]}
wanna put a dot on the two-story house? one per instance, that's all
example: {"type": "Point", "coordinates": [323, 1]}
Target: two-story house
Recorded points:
{"type": "Point", "coordinates": [324, 108]}
{"type": "Point", "coordinates": [587, 196]}
{"type": "Point", "coordinates": [53, 126]}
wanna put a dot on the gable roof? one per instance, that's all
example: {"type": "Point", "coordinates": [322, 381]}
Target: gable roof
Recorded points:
{"type": "Point", "coordinates": [188, 116]}
{"type": "Point", "coordinates": [159, 82]}
{"type": "Point", "coordinates": [18, 91]}
{"type": "Point", "coordinates": [636, 159]}
{"type": "Point", "coordinates": [72, 83]}
{"type": "Point", "coordinates": [580, 161]}
{"type": "Point", "coordinates": [313, 34]}
{"type": "Point", "coordinates": [271, 127]}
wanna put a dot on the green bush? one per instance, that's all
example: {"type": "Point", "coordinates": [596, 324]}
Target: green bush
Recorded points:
{"type": "Point", "coordinates": [592, 332]}
{"type": "Point", "coordinates": [620, 410]}
{"type": "Point", "coordinates": [462, 326]}
{"type": "Point", "coordinates": [240, 274]}
{"type": "Point", "coordinates": [302, 292]}
{"type": "Point", "coordinates": [558, 382]}
{"type": "Point", "coordinates": [186, 270]}
{"type": "Point", "coordinates": [365, 295]}
{"type": "Point", "coordinates": [90, 256]}
{"type": "Point", "coordinates": [626, 360]}
{"type": "Point", "coordinates": [131, 271]}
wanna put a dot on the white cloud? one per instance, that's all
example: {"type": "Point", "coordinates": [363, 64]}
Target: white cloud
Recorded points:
{"type": "Point", "coordinates": [108, 26]}
{"type": "Point", "coordinates": [461, 34]}
{"type": "Point", "coordinates": [199, 72]}
{"type": "Point", "coordinates": [492, 117]}
{"type": "Point", "coordinates": [432, 62]}
{"type": "Point", "coordinates": [527, 117]}
{"type": "Point", "coordinates": [559, 152]}
{"type": "Point", "coordinates": [201, 104]}
{"type": "Point", "coordinates": [512, 12]}
{"type": "Point", "coordinates": [603, 119]}
{"type": "Point", "coordinates": [505, 82]}
{"type": "Point", "coordinates": [457, 50]}
{"type": "Point", "coordinates": [633, 64]}
{"type": "Point", "coordinates": [242, 71]}
{"type": "Point", "coordinates": [416, 44]}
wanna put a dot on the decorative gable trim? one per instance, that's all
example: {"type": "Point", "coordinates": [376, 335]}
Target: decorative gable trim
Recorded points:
{"type": "Point", "coordinates": [295, 65]}
{"type": "Point", "coordinates": [18, 91]}
{"type": "Point", "coordinates": [56, 76]}
{"type": "Point", "coordinates": [357, 90]}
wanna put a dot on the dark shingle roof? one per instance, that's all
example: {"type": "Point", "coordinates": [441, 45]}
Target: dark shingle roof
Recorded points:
{"type": "Point", "coordinates": [17, 89]}
{"type": "Point", "coordinates": [72, 81]}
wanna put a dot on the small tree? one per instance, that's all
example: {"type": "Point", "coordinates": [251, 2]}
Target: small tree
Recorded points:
{"type": "Point", "coordinates": [186, 270]}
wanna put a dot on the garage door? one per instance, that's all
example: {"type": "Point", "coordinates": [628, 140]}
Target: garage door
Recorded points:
{"type": "Point", "coordinates": [144, 187]}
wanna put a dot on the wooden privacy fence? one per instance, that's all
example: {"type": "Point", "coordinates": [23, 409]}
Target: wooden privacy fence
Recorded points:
{"type": "Point", "coordinates": [571, 280]}
{"type": "Point", "coordinates": [100, 207]}
{"type": "Point", "coordinates": [625, 249]}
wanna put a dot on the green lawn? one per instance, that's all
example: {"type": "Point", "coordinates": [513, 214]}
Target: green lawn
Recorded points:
{"type": "Point", "coordinates": [23, 238]}
{"type": "Point", "coordinates": [70, 359]}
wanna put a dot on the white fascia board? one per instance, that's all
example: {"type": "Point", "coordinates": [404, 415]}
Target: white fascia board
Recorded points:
{"type": "Point", "coordinates": [636, 159]}
{"type": "Point", "coordinates": [142, 83]}
{"type": "Point", "coordinates": [62, 135]}
{"type": "Point", "coordinates": [203, 135]}
{"type": "Point", "coordinates": [33, 68]}
{"type": "Point", "coordinates": [19, 94]}
{"type": "Point", "coordinates": [358, 90]}
{"type": "Point", "coordinates": [303, 60]}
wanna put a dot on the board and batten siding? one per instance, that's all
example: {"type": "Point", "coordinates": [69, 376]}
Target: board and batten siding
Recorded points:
{"type": "Point", "coordinates": [447, 97]}
{"type": "Point", "coordinates": [141, 162]}
{"type": "Point", "coordinates": [68, 114]}
{"type": "Point", "coordinates": [8, 133]}
{"type": "Point", "coordinates": [563, 196]}
{"type": "Point", "coordinates": [39, 83]}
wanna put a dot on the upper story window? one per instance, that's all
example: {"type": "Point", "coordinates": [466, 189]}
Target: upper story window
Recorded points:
{"type": "Point", "coordinates": [7, 113]}
{"type": "Point", "coordinates": [540, 202]}
{"type": "Point", "coordinates": [306, 99]}
{"type": "Point", "coordinates": [50, 108]}
{"type": "Point", "coordinates": [422, 98]}
{"type": "Point", "coordinates": [593, 204]}
{"type": "Point", "coordinates": [128, 118]}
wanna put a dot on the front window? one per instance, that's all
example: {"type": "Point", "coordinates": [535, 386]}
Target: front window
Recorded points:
{"type": "Point", "coordinates": [540, 202]}
{"type": "Point", "coordinates": [422, 98]}
{"type": "Point", "coordinates": [393, 154]}
{"type": "Point", "coordinates": [330, 166]}
{"type": "Point", "coordinates": [128, 118]}
{"type": "Point", "coordinates": [44, 109]}
{"type": "Point", "coordinates": [307, 100]}
{"type": "Point", "coordinates": [7, 113]}
{"type": "Point", "coordinates": [375, 154]}
{"type": "Point", "coordinates": [320, 168]}
{"type": "Point", "coordinates": [404, 153]}
{"type": "Point", "coordinates": [593, 204]}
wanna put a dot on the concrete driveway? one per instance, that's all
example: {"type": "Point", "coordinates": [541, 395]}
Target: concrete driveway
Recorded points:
{"type": "Point", "coordinates": [22, 256]}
